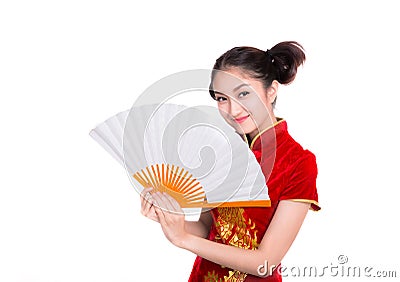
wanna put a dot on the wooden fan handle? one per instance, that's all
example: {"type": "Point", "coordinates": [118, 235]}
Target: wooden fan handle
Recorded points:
{"type": "Point", "coordinates": [255, 203]}
{"type": "Point", "coordinates": [243, 204]}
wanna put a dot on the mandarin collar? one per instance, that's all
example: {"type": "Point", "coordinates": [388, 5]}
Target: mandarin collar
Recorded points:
{"type": "Point", "coordinates": [267, 134]}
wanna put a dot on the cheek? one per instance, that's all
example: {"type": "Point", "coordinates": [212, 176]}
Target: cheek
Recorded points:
{"type": "Point", "coordinates": [223, 111]}
{"type": "Point", "coordinates": [255, 107]}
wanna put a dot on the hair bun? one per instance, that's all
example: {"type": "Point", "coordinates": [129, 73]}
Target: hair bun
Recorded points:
{"type": "Point", "coordinates": [288, 56]}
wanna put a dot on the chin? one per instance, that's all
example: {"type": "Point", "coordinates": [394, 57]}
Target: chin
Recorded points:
{"type": "Point", "coordinates": [242, 130]}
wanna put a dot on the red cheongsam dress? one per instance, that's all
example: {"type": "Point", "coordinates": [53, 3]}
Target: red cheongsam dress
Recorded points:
{"type": "Point", "coordinates": [291, 174]}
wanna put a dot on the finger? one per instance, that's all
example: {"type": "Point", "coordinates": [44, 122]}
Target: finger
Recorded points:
{"type": "Point", "coordinates": [174, 203]}
{"type": "Point", "coordinates": [158, 201]}
{"type": "Point", "coordinates": [152, 214]}
{"type": "Point", "coordinates": [164, 202]}
{"type": "Point", "coordinates": [146, 201]}
{"type": "Point", "coordinates": [146, 207]}
{"type": "Point", "coordinates": [145, 197]}
{"type": "Point", "coordinates": [159, 212]}
{"type": "Point", "coordinates": [145, 192]}
{"type": "Point", "coordinates": [164, 207]}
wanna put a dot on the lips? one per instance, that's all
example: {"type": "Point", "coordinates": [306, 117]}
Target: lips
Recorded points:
{"type": "Point", "coordinates": [241, 119]}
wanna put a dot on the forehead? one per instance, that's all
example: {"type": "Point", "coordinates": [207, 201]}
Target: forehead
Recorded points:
{"type": "Point", "coordinates": [233, 79]}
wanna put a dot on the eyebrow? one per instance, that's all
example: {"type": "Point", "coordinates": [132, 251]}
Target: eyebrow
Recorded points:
{"type": "Point", "coordinates": [240, 86]}
{"type": "Point", "coordinates": [234, 89]}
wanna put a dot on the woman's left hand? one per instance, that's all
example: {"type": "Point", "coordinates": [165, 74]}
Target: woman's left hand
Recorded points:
{"type": "Point", "coordinates": [171, 218]}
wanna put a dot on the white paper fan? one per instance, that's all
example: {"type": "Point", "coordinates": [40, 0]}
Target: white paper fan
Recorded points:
{"type": "Point", "coordinates": [189, 152]}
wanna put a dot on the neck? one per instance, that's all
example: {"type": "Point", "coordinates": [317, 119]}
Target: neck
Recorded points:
{"type": "Point", "coordinates": [265, 125]}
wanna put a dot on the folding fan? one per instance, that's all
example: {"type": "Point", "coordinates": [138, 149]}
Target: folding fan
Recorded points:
{"type": "Point", "coordinates": [189, 152]}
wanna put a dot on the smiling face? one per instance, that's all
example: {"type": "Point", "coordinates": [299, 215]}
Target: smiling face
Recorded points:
{"type": "Point", "coordinates": [244, 102]}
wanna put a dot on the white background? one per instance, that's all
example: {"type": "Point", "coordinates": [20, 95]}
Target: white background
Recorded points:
{"type": "Point", "coordinates": [67, 209]}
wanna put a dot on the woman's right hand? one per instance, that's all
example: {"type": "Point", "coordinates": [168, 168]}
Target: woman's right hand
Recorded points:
{"type": "Point", "coordinates": [199, 228]}
{"type": "Point", "coordinates": [147, 208]}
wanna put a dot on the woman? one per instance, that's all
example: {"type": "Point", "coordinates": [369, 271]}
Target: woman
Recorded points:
{"type": "Point", "coordinates": [248, 244]}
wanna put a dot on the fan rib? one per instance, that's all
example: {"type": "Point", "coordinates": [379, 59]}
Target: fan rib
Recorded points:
{"type": "Point", "coordinates": [181, 181]}
{"type": "Point", "coordinates": [187, 191]}
{"type": "Point", "coordinates": [175, 174]}
{"type": "Point", "coordinates": [192, 187]}
{"type": "Point", "coordinates": [156, 180]}
{"type": "Point", "coordinates": [189, 186]}
{"type": "Point", "coordinates": [148, 177]}
{"type": "Point", "coordinates": [141, 180]}
{"type": "Point", "coordinates": [254, 203]}
{"type": "Point", "coordinates": [169, 175]}
{"type": "Point", "coordinates": [183, 187]}
{"type": "Point", "coordinates": [189, 194]}
{"type": "Point", "coordinates": [163, 174]}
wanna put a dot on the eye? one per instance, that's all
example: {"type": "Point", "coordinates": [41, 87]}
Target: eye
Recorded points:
{"type": "Point", "coordinates": [220, 99]}
{"type": "Point", "coordinates": [243, 93]}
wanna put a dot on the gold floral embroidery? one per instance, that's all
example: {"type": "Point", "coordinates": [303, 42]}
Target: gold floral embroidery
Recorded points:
{"type": "Point", "coordinates": [235, 230]}
{"type": "Point", "coordinates": [235, 276]}
{"type": "Point", "coordinates": [212, 277]}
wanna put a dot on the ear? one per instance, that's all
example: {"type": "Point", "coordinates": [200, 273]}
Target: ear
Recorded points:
{"type": "Point", "coordinates": [272, 91]}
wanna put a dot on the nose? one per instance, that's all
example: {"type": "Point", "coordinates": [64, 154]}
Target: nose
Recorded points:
{"type": "Point", "coordinates": [235, 108]}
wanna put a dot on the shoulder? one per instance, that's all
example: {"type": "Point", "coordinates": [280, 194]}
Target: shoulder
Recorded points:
{"type": "Point", "coordinates": [295, 156]}
{"type": "Point", "coordinates": [301, 171]}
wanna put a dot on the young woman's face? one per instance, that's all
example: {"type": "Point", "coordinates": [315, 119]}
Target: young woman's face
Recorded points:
{"type": "Point", "coordinates": [244, 102]}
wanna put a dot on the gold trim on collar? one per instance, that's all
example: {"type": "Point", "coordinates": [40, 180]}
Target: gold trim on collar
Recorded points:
{"type": "Point", "coordinates": [245, 139]}
{"type": "Point", "coordinates": [262, 131]}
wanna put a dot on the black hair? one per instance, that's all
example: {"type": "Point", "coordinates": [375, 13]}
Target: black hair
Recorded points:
{"type": "Point", "coordinates": [278, 63]}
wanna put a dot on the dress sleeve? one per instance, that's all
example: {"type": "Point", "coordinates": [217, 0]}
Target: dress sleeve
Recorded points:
{"type": "Point", "coordinates": [302, 180]}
